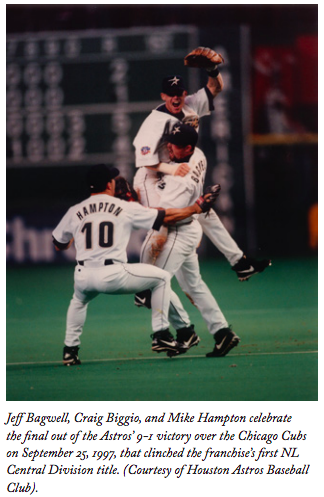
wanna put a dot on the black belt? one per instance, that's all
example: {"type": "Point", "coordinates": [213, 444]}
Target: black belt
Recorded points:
{"type": "Point", "coordinates": [107, 262]}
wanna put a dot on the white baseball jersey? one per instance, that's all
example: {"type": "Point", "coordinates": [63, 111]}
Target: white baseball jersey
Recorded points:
{"type": "Point", "coordinates": [101, 227]}
{"type": "Point", "coordinates": [178, 255]}
{"type": "Point", "coordinates": [150, 150]}
{"type": "Point", "coordinates": [177, 191]}
{"type": "Point", "coordinates": [149, 140]}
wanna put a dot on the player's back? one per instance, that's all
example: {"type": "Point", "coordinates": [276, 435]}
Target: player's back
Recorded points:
{"type": "Point", "coordinates": [101, 226]}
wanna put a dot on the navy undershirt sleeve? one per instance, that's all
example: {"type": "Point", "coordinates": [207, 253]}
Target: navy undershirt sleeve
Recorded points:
{"type": "Point", "coordinates": [159, 220]}
{"type": "Point", "coordinates": [60, 245]}
{"type": "Point", "coordinates": [210, 98]}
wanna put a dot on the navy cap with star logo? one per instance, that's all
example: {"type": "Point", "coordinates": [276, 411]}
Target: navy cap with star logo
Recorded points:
{"type": "Point", "coordinates": [173, 85]}
{"type": "Point", "coordinates": [183, 135]}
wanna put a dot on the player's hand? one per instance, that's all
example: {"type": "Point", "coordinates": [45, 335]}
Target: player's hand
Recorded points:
{"type": "Point", "coordinates": [182, 170]}
{"type": "Point", "coordinates": [206, 201]}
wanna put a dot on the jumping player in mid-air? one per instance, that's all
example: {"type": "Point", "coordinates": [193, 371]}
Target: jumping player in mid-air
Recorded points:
{"type": "Point", "coordinates": [152, 156]}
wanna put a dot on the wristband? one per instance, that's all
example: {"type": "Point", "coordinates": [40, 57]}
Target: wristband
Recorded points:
{"type": "Point", "coordinates": [201, 202]}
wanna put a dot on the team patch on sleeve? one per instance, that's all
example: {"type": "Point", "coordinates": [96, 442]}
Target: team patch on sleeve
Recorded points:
{"type": "Point", "coordinates": [191, 120]}
{"type": "Point", "coordinates": [145, 150]}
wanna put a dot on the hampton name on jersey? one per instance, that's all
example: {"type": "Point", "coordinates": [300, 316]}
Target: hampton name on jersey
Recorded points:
{"type": "Point", "coordinates": [98, 222]}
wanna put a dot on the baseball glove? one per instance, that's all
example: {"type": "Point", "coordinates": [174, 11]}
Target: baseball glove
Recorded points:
{"type": "Point", "coordinates": [204, 58]}
{"type": "Point", "coordinates": [124, 190]}
{"type": "Point", "coordinates": [207, 200]}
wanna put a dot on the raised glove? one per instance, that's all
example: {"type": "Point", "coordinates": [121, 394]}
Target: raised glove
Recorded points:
{"type": "Point", "coordinates": [204, 58]}
{"type": "Point", "coordinates": [207, 200]}
{"type": "Point", "coordinates": [124, 190]}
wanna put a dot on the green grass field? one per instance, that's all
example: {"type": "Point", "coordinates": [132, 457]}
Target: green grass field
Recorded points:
{"type": "Point", "coordinates": [275, 314]}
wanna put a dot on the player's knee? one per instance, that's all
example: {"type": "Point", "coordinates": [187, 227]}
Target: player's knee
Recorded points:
{"type": "Point", "coordinates": [80, 299]}
{"type": "Point", "coordinates": [166, 277]}
{"type": "Point", "coordinates": [161, 278]}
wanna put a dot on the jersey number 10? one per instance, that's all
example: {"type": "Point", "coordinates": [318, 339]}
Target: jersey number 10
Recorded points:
{"type": "Point", "coordinates": [106, 231]}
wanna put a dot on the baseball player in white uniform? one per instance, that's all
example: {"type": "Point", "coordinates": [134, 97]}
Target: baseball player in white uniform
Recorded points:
{"type": "Point", "coordinates": [100, 227]}
{"type": "Point", "coordinates": [152, 159]}
{"type": "Point", "coordinates": [178, 254]}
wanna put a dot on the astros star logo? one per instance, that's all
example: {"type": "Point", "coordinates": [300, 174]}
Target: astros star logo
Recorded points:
{"type": "Point", "coordinates": [174, 81]}
{"type": "Point", "coordinates": [176, 130]}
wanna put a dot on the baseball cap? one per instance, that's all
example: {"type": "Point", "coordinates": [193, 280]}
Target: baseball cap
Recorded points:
{"type": "Point", "coordinates": [99, 175]}
{"type": "Point", "coordinates": [173, 85]}
{"type": "Point", "coordinates": [183, 135]}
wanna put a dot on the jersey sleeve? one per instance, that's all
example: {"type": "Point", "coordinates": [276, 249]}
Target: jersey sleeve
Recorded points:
{"type": "Point", "coordinates": [201, 102]}
{"type": "Point", "coordinates": [148, 138]}
{"type": "Point", "coordinates": [145, 217]}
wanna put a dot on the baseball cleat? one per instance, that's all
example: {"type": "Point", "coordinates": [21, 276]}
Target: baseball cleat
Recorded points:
{"type": "Point", "coordinates": [247, 267]}
{"type": "Point", "coordinates": [225, 340]}
{"type": "Point", "coordinates": [173, 353]}
{"type": "Point", "coordinates": [187, 338]}
{"type": "Point", "coordinates": [163, 341]}
{"type": "Point", "coordinates": [70, 356]}
{"type": "Point", "coordinates": [143, 299]}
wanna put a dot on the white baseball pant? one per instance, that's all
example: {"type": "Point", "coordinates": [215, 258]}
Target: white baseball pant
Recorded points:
{"type": "Point", "coordinates": [178, 256]}
{"type": "Point", "coordinates": [91, 280]}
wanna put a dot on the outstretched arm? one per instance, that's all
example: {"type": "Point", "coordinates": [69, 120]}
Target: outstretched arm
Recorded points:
{"type": "Point", "coordinates": [206, 58]}
{"type": "Point", "coordinates": [202, 204]}
{"type": "Point", "coordinates": [175, 215]}
{"type": "Point", "coordinates": [215, 84]}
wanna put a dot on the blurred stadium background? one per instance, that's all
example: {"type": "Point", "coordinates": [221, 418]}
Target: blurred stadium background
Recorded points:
{"type": "Point", "coordinates": [81, 79]}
